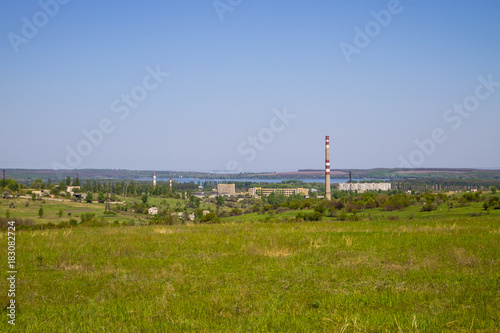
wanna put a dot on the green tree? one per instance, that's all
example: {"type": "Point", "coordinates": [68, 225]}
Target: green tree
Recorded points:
{"type": "Point", "coordinates": [68, 181]}
{"type": "Point", "coordinates": [37, 183]}
{"type": "Point", "coordinates": [276, 198]}
{"type": "Point", "coordinates": [12, 185]}
{"type": "Point", "coordinates": [60, 213]}
{"type": "Point", "coordinates": [40, 212]}
{"type": "Point", "coordinates": [76, 182]}
{"type": "Point", "coordinates": [101, 197]}
{"type": "Point", "coordinates": [144, 198]}
{"type": "Point", "coordinates": [493, 190]}
{"type": "Point", "coordinates": [89, 197]}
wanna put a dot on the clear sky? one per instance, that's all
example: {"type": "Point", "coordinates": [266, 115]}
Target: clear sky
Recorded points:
{"type": "Point", "coordinates": [249, 85]}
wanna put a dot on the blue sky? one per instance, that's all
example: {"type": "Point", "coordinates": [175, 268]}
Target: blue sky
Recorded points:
{"type": "Point", "coordinates": [251, 85]}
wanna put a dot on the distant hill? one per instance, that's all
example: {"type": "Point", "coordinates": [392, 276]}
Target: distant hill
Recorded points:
{"type": "Point", "coordinates": [377, 173]}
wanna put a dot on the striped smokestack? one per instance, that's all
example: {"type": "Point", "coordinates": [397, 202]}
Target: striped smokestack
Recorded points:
{"type": "Point", "coordinates": [327, 168]}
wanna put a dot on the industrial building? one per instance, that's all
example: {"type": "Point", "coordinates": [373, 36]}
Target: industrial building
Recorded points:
{"type": "Point", "coordinates": [362, 187]}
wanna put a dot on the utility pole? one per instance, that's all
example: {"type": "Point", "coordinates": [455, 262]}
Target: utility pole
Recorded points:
{"type": "Point", "coordinates": [108, 208]}
{"type": "Point", "coordinates": [217, 200]}
{"type": "Point", "coordinates": [350, 186]}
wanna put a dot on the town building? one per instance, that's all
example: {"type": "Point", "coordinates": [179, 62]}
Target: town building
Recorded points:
{"type": "Point", "coordinates": [153, 211]}
{"type": "Point", "coordinates": [258, 191]}
{"type": "Point", "coordinates": [362, 187]}
{"type": "Point", "coordinates": [71, 189]}
{"type": "Point", "coordinates": [226, 189]}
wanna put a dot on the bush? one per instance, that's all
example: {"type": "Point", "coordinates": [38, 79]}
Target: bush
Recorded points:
{"type": "Point", "coordinates": [235, 212]}
{"type": "Point", "coordinates": [397, 202]}
{"type": "Point", "coordinates": [210, 218]}
{"type": "Point", "coordinates": [315, 216]}
{"type": "Point", "coordinates": [90, 220]}
{"type": "Point", "coordinates": [428, 207]}
{"type": "Point", "coordinates": [163, 219]}
{"type": "Point", "coordinates": [86, 217]}
{"type": "Point", "coordinates": [64, 224]}
{"type": "Point", "coordinates": [343, 216]}
{"type": "Point", "coordinates": [20, 222]}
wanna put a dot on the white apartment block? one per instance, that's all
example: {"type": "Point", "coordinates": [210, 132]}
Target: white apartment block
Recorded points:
{"type": "Point", "coordinates": [258, 191]}
{"type": "Point", "coordinates": [362, 187]}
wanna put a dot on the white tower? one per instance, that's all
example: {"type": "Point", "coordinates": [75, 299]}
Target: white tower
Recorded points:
{"type": "Point", "coordinates": [154, 179]}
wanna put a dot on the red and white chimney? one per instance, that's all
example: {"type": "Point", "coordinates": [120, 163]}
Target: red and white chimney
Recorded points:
{"type": "Point", "coordinates": [327, 168]}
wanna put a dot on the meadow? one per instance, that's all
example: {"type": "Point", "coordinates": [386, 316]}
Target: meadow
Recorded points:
{"type": "Point", "coordinates": [424, 274]}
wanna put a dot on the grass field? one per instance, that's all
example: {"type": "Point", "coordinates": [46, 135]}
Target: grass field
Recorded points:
{"type": "Point", "coordinates": [418, 275]}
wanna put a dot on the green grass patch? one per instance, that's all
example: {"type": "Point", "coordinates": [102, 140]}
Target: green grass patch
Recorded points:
{"type": "Point", "coordinates": [418, 275]}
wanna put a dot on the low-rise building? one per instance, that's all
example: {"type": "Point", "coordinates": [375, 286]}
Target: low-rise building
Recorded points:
{"type": "Point", "coordinates": [362, 187]}
{"type": "Point", "coordinates": [71, 189]}
{"type": "Point", "coordinates": [37, 193]}
{"type": "Point", "coordinates": [153, 211]}
{"type": "Point", "coordinates": [258, 191]}
{"type": "Point", "coordinates": [226, 189]}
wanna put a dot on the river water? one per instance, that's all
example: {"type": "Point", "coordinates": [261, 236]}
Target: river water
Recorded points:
{"type": "Point", "coordinates": [201, 181]}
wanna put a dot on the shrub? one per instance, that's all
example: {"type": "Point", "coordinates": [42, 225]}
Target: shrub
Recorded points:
{"type": "Point", "coordinates": [397, 202]}
{"type": "Point", "coordinates": [163, 219]}
{"type": "Point", "coordinates": [428, 207]}
{"type": "Point", "coordinates": [314, 216]}
{"type": "Point", "coordinates": [90, 220]}
{"type": "Point", "coordinates": [63, 224]}
{"type": "Point", "coordinates": [210, 218]}
{"type": "Point", "coordinates": [21, 223]}
{"type": "Point", "coordinates": [86, 217]}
